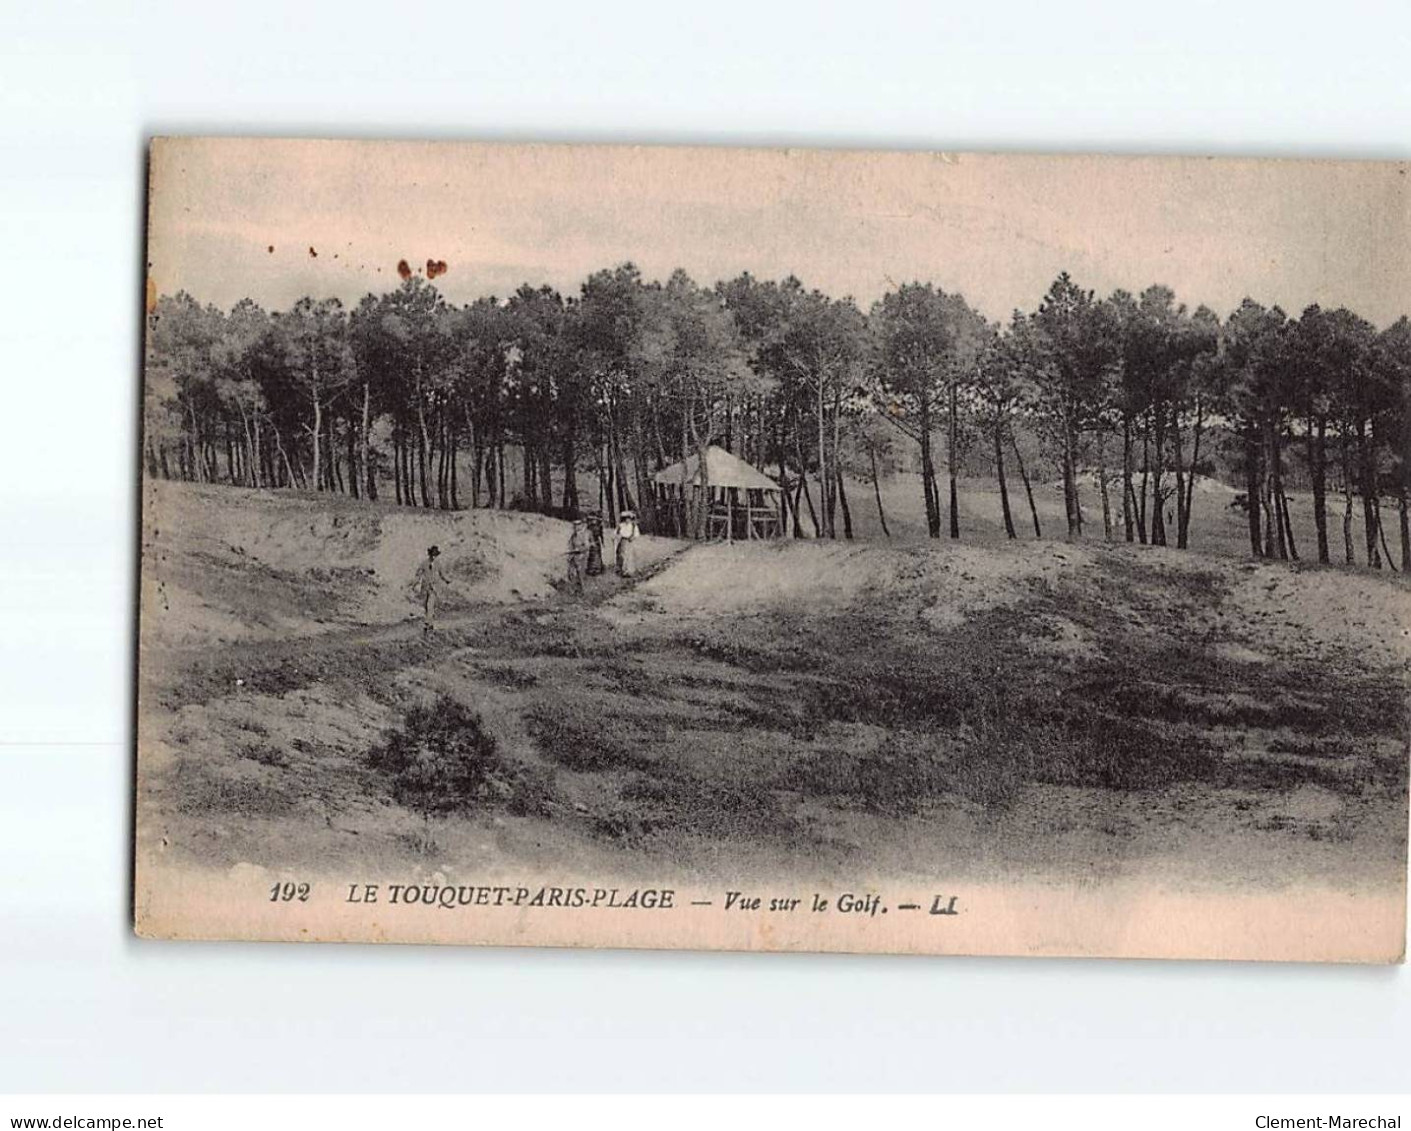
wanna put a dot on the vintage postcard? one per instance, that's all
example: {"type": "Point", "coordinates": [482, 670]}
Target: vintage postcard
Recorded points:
{"type": "Point", "coordinates": [775, 549]}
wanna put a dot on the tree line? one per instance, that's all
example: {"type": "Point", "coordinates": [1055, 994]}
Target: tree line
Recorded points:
{"type": "Point", "coordinates": [1126, 397]}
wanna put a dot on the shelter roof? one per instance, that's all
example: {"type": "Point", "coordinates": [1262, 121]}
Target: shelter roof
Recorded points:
{"type": "Point", "coordinates": [724, 470]}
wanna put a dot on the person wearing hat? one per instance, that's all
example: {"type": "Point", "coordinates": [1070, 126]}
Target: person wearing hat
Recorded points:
{"type": "Point", "coordinates": [577, 554]}
{"type": "Point", "coordinates": [431, 579]}
{"type": "Point", "coordinates": [627, 534]}
{"type": "Point", "coordinates": [595, 543]}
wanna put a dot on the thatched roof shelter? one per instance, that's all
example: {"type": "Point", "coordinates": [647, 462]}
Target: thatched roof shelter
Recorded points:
{"type": "Point", "coordinates": [722, 470]}
{"type": "Point", "coordinates": [743, 502]}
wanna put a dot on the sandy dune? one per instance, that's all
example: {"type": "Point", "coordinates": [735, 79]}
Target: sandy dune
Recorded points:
{"type": "Point", "coordinates": [883, 706]}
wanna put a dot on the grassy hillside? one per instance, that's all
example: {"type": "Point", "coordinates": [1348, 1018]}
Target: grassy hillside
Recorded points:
{"type": "Point", "coordinates": [884, 707]}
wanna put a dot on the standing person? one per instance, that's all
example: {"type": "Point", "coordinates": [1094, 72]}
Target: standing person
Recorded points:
{"type": "Point", "coordinates": [627, 533]}
{"type": "Point", "coordinates": [595, 543]}
{"type": "Point", "coordinates": [431, 579]}
{"type": "Point", "coordinates": [577, 554]}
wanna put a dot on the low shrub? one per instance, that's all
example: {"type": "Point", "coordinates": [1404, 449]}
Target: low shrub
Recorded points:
{"type": "Point", "coordinates": [442, 759]}
{"type": "Point", "coordinates": [266, 754]}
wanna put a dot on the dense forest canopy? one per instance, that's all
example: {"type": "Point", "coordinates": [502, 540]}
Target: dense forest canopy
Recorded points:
{"type": "Point", "coordinates": [1126, 399]}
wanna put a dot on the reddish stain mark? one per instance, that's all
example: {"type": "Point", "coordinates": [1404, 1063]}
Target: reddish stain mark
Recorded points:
{"type": "Point", "coordinates": [435, 267]}
{"type": "Point", "coordinates": [403, 269]}
{"type": "Point", "coordinates": [313, 254]}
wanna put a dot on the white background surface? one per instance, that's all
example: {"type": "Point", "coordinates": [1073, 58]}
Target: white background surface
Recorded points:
{"type": "Point", "coordinates": [83, 1006]}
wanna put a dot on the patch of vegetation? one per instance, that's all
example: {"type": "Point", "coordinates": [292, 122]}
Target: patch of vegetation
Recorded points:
{"type": "Point", "coordinates": [204, 791]}
{"type": "Point", "coordinates": [1109, 751]}
{"type": "Point", "coordinates": [265, 753]}
{"type": "Point", "coordinates": [1313, 747]}
{"type": "Point", "coordinates": [887, 692]}
{"type": "Point", "coordinates": [337, 577]}
{"type": "Point", "coordinates": [540, 636]}
{"type": "Point", "coordinates": [970, 714]}
{"type": "Point", "coordinates": [508, 676]}
{"type": "Point", "coordinates": [685, 802]}
{"type": "Point", "coordinates": [768, 711]}
{"type": "Point", "coordinates": [624, 824]}
{"type": "Point", "coordinates": [1391, 767]}
{"type": "Point", "coordinates": [1177, 676]}
{"type": "Point", "coordinates": [581, 737]}
{"type": "Point", "coordinates": [281, 675]}
{"type": "Point", "coordinates": [1266, 701]}
{"type": "Point", "coordinates": [442, 760]}
{"type": "Point", "coordinates": [256, 591]}
{"type": "Point", "coordinates": [627, 677]}
{"type": "Point", "coordinates": [894, 780]}
{"type": "Point", "coordinates": [911, 770]}
{"type": "Point", "coordinates": [732, 705]}
{"type": "Point", "coordinates": [786, 654]}
{"type": "Point", "coordinates": [1161, 595]}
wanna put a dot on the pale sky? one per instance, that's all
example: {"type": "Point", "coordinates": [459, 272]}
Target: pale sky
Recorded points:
{"type": "Point", "coordinates": [996, 228]}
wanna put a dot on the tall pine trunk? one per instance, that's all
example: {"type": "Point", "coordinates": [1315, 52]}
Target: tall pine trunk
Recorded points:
{"type": "Point", "coordinates": [928, 474]}
{"type": "Point", "coordinates": [882, 514]}
{"type": "Point", "coordinates": [1347, 496]}
{"type": "Point", "coordinates": [1288, 526]}
{"type": "Point", "coordinates": [1276, 542]}
{"type": "Point", "coordinates": [570, 473]}
{"type": "Point", "coordinates": [1028, 487]}
{"type": "Point", "coordinates": [843, 502]}
{"type": "Point", "coordinates": [335, 473]}
{"type": "Point", "coordinates": [365, 445]}
{"type": "Point", "coordinates": [789, 518]}
{"type": "Point", "coordinates": [999, 472]}
{"type": "Point", "coordinates": [1179, 454]}
{"type": "Point", "coordinates": [1184, 533]}
{"type": "Point", "coordinates": [1367, 475]}
{"type": "Point", "coordinates": [424, 450]}
{"type": "Point", "coordinates": [1318, 474]}
{"type": "Point", "coordinates": [836, 480]}
{"type": "Point", "coordinates": [952, 440]}
{"type": "Point", "coordinates": [317, 430]}
{"type": "Point", "coordinates": [355, 470]}
{"type": "Point", "coordinates": [1146, 475]}
{"type": "Point", "coordinates": [1403, 479]}
{"type": "Point", "coordinates": [1102, 488]}
{"type": "Point", "coordinates": [807, 495]}
{"type": "Point", "coordinates": [453, 454]}
{"type": "Point", "coordinates": [1158, 455]}
{"type": "Point", "coordinates": [1251, 488]}
{"type": "Point", "coordinates": [825, 491]}
{"type": "Point", "coordinates": [439, 450]}
{"type": "Point", "coordinates": [1072, 507]}
{"type": "Point", "coordinates": [1128, 517]}
{"type": "Point", "coordinates": [546, 478]}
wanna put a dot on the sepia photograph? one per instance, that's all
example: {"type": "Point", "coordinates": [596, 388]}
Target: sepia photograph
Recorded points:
{"type": "Point", "coordinates": [774, 549]}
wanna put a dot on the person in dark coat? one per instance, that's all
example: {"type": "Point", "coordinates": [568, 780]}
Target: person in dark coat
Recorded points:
{"type": "Point", "coordinates": [595, 543]}
{"type": "Point", "coordinates": [577, 555]}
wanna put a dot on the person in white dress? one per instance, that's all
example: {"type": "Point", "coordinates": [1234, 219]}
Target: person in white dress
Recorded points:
{"type": "Point", "coordinates": [627, 534]}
